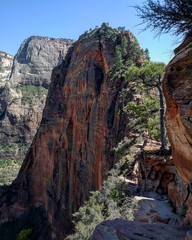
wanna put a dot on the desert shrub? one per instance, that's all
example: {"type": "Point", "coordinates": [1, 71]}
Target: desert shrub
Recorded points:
{"type": "Point", "coordinates": [9, 170]}
{"type": "Point", "coordinates": [113, 201]}
{"type": "Point", "coordinates": [31, 92]}
{"type": "Point", "coordinates": [24, 234]}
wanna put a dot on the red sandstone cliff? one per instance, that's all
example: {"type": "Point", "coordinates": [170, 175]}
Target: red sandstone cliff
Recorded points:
{"type": "Point", "coordinates": [178, 94]}
{"type": "Point", "coordinates": [177, 86]}
{"type": "Point", "coordinates": [73, 148]}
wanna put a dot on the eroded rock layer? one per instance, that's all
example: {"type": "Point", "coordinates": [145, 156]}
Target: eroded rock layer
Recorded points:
{"type": "Point", "coordinates": [73, 148]}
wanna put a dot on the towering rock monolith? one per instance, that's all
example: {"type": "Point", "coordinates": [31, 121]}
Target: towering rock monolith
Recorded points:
{"type": "Point", "coordinates": [73, 148]}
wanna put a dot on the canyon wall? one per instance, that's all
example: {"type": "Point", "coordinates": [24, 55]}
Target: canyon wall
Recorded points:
{"type": "Point", "coordinates": [23, 86]}
{"type": "Point", "coordinates": [177, 86]}
{"type": "Point", "coordinates": [178, 93]}
{"type": "Point", "coordinates": [36, 58]}
{"type": "Point", "coordinates": [6, 62]}
{"type": "Point", "coordinates": [74, 145]}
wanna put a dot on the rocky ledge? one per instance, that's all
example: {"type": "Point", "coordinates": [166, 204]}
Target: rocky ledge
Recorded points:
{"type": "Point", "coordinates": [119, 229]}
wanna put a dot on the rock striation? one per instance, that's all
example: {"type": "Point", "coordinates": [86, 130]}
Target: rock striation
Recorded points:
{"type": "Point", "coordinates": [178, 93]}
{"type": "Point", "coordinates": [6, 62]}
{"type": "Point", "coordinates": [74, 145]}
{"type": "Point", "coordinates": [23, 95]}
{"type": "Point", "coordinates": [36, 58]}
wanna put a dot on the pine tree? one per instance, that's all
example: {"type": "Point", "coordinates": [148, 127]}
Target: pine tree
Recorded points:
{"type": "Point", "coordinates": [150, 77]}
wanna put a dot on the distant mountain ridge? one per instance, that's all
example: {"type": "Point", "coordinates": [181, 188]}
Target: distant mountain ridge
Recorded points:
{"type": "Point", "coordinates": [24, 80]}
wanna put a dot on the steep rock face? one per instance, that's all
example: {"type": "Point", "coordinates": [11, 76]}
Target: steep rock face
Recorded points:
{"type": "Point", "coordinates": [36, 58]}
{"type": "Point", "coordinates": [178, 94]}
{"type": "Point", "coordinates": [22, 99]}
{"type": "Point", "coordinates": [6, 62]}
{"type": "Point", "coordinates": [73, 148]}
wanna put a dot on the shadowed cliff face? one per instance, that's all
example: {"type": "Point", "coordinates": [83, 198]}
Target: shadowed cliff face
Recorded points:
{"type": "Point", "coordinates": [178, 93]}
{"type": "Point", "coordinates": [73, 148]}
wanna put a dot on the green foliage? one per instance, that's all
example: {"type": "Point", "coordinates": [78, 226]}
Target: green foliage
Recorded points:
{"type": "Point", "coordinates": [103, 32]}
{"type": "Point", "coordinates": [123, 148]}
{"type": "Point", "coordinates": [31, 92]}
{"type": "Point", "coordinates": [149, 74]}
{"type": "Point", "coordinates": [87, 218]}
{"type": "Point", "coordinates": [126, 55]}
{"type": "Point", "coordinates": [135, 53]}
{"type": "Point", "coordinates": [111, 202]}
{"type": "Point", "coordinates": [146, 83]}
{"type": "Point", "coordinates": [14, 147]}
{"type": "Point", "coordinates": [25, 234]}
{"type": "Point", "coordinates": [9, 170]}
{"type": "Point", "coordinates": [145, 116]}
{"type": "Point", "coordinates": [10, 165]}
{"type": "Point", "coordinates": [120, 65]}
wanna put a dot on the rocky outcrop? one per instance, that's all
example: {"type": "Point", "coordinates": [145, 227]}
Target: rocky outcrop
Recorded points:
{"type": "Point", "coordinates": [177, 86]}
{"type": "Point", "coordinates": [6, 62]}
{"type": "Point", "coordinates": [153, 170]}
{"type": "Point", "coordinates": [120, 229]}
{"type": "Point", "coordinates": [178, 94]}
{"type": "Point", "coordinates": [74, 146]}
{"type": "Point", "coordinates": [23, 96]}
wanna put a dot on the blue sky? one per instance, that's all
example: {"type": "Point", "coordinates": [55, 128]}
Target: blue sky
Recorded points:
{"type": "Point", "coordinates": [20, 19]}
